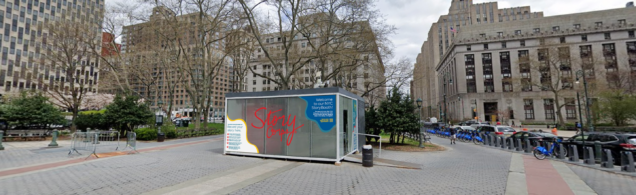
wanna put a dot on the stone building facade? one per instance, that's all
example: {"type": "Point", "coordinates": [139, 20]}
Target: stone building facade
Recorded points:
{"type": "Point", "coordinates": [24, 66]}
{"type": "Point", "coordinates": [499, 70]}
{"type": "Point", "coordinates": [461, 15]}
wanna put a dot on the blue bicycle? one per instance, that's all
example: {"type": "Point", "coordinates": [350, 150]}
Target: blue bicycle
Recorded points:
{"type": "Point", "coordinates": [477, 140]}
{"type": "Point", "coordinates": [541, 152]}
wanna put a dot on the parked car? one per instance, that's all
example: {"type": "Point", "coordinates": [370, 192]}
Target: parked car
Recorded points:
{"type": "Point", "coordinates": [617, 143]}
{"type": "Point", "coordinates": [464, 128]}
{"type": "Point", "coordinates": [535, 138]}
{"type": "Point", "coordinates": [505, 130]}
{"type": "Point", "coordinates": [468, 123]}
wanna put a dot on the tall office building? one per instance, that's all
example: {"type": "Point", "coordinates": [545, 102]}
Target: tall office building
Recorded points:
{"type": "Point", "coordinates": [461, 15]}
{"type": "Point", "coordinates": [23, 65]}
{"type": "Point", "coordinates": [147, 44]}
{"type": "Point", "coordinates": [366, 75]}
{"type": "Point", "coordinates": [511, 70]}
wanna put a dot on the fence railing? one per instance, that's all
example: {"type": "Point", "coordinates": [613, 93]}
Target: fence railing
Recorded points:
{"type": "Point", "coordinates": [379, 138]}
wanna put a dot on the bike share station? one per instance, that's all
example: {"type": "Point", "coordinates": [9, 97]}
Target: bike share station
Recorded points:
{"type": "Point", "coordinates": [320, 124]}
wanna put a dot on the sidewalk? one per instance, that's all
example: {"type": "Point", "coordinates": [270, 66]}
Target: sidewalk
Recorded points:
{"type": "Point", "coordinates": [26, 157]}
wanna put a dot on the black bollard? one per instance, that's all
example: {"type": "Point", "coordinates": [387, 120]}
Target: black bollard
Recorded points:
{"type": "Point", "coordinates": [503, 143]}
{"type": "Point", "coordinates": [496, 142]}
{"type": "Point", "coordinates": [627, 162]}
{"type": "Point", "coordinates": [574, 154]}
{"type": "Point", "coordinates": [519, 148]}
{"type": "Point", "coordinates": [588, 156]}
{"type": "Point", "coordinates": [528, 146]}
{"type": "Point", "coordinates": [597, 151]}
{"type": "Point", "coordinates": [561, 154]}
{"type": "Point", "coordinates": [607, 160]}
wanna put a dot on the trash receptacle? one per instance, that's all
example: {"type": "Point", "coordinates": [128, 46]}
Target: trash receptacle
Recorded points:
{"type": "Point", "coordinates": [161, 137]}
{"type": "Point", "coordinates": [367, 156]}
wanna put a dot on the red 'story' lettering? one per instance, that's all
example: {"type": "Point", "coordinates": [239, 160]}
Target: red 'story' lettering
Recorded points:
{"type": "Point", "coordinates": [271, 121]}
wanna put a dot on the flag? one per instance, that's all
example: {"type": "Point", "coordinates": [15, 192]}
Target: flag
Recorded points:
{"type": "Point", "coordinates": [453, 30]}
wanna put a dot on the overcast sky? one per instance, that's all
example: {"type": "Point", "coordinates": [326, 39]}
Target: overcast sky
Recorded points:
{"type": "Point", "coordinates": [413, 18]}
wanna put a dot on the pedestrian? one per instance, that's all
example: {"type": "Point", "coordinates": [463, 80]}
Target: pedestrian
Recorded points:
{"type": "Point", "coordinates": [498, 123]}
{"type": "Point", "coordinates": [453, 133]}
{"type": "Point", "coordinates": [513, 123]}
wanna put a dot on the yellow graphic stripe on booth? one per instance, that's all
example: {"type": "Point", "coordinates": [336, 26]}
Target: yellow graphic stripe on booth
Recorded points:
{"type": "Point", "coordinates": [244, 123]}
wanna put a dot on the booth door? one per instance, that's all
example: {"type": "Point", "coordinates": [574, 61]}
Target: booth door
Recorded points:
{"type": "Point", "coordinates": [345, 130]}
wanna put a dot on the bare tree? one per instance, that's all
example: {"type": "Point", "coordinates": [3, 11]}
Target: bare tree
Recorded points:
{"type": "Point", "coordinates": [71, 58]}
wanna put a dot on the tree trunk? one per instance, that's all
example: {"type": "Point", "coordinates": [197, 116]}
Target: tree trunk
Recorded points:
{"type": "Point", "coordinates": [73, 126]}
{"type": "Point", "coordinates": [558, 109]}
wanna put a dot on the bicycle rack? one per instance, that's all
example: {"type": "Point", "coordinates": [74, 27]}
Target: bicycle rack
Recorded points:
{"type": "Point", "coordinates": [528, 146]}
{"type": "Point", "coordinates": [511, 145]}
{"type": "Point", "coordinates": [607, 161]}
{"type": "Point", "coordinates": [627, 162]}
{"type": "Point", "coordinates": [561, 152]}
{"type": "Point", "coordinates": [519, 148]}
{"type": "Point", "coordinates": [497, 141]}
{"type": "Point", "coordinates": [588, 156]}
{"type": "Point", "coordinates": [574, 154]}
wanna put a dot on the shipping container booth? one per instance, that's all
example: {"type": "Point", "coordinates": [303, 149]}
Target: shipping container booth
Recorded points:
{"type": "Point", "coordinates": [312, 124]}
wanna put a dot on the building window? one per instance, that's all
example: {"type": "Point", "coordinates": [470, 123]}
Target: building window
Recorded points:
{"type": "Point", "coordinates": [500, 34]}
{"type": "Point", "coordinates": [528, 108]}
{"type": "Point", "coordinates": [503, 45]}
{"type": "Point", "coordinates": [622, 22]}
{"type": "Point", "coordinates": [522, 43]}
{"type": "Point", "coordinates": [562, 40]}
{"type": "Point", "coordinates": [577, 26]}
{"type": "Point", "coordinates": [599, 24]}
{"type": "Point", "coordinates": [548, 105]}
{"type": "Point", "coordinates": [608, 36]}
{"type": "Point", "coordinates": [570, 108]}
{"type": "Point", "coordinates": [555, 28]}
{"type": "Point", "coordinates": [254, 82]}
{"type": "Point", "coordinates": [541, 41]}
{"type": "Point", "coordinates": [517, 32]}
{"type": "Point", "coordinates": [485, 46]}
{"type": "Point", "coordinates": [584, 38]}
{"type": "Point", "coordinates": [537, 30]}
{"type": "Point", "coordinates": [630, 34]}
{"type": "Point", "coordinates": [482, 35]}
{"type": "Point", "coordinates": [507, 86]}
{"type": "Point", "coordinates": [468, 48]}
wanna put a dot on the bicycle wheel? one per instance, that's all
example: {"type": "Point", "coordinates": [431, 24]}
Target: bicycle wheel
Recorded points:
{"type": "Point", "coordinates": [477, 142]}
{"type": "Point", "coordinates": [539, 155]}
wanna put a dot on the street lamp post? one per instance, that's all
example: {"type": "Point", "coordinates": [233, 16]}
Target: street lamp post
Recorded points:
{"type": "Point", "coordinates": [461, 116]}
{"type": "Point", "coordinates": [159, 121]}
{"type": "Point", "coordinates": [450, 81]}
{"type": "Point", "coordinates": [580, 117]}
{"type": "Point", "coordinates": [419, 108]}
{"type": "Point", "coordinates": [581, 74]}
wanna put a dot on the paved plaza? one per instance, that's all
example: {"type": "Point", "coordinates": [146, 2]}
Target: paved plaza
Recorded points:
{"type": "Point", "coordinates": [197, 166]}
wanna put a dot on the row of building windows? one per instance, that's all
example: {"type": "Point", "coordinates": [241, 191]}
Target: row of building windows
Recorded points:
{"type": "Point", "coordinates": [549, 109]}
{"type": "Point", "coordinates": [609, 55]}
{"type": "Point", "coordinates": [522, 43]}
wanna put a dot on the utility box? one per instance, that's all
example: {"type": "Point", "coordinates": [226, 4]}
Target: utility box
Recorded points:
{"type": "Point", "coordinates": [319, 124]}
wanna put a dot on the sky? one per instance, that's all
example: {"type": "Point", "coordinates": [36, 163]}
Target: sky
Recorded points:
{"type": "Point", "coordinates": [413, 18]}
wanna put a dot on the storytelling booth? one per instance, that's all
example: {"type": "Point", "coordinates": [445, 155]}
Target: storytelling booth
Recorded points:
{"type": "Point", "coordinates": [319, 124]}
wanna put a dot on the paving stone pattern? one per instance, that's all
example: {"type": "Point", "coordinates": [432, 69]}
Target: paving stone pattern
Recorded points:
{"type": "Point", "coordinates": [466, 169]}
{"type": "Point", "coordinates": [605, 183]}
{"type": "Point", "coordinates": [129, 174]}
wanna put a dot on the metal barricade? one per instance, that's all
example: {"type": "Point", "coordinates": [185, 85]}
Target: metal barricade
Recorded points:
{"type": "Point", "coordinates": [131, 142]}
{"type": "Point", "coordinates": [94, 141]}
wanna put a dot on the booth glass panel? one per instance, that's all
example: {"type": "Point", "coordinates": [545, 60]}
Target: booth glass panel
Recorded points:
{"type": "Point", "coordinates": [255, 131]}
